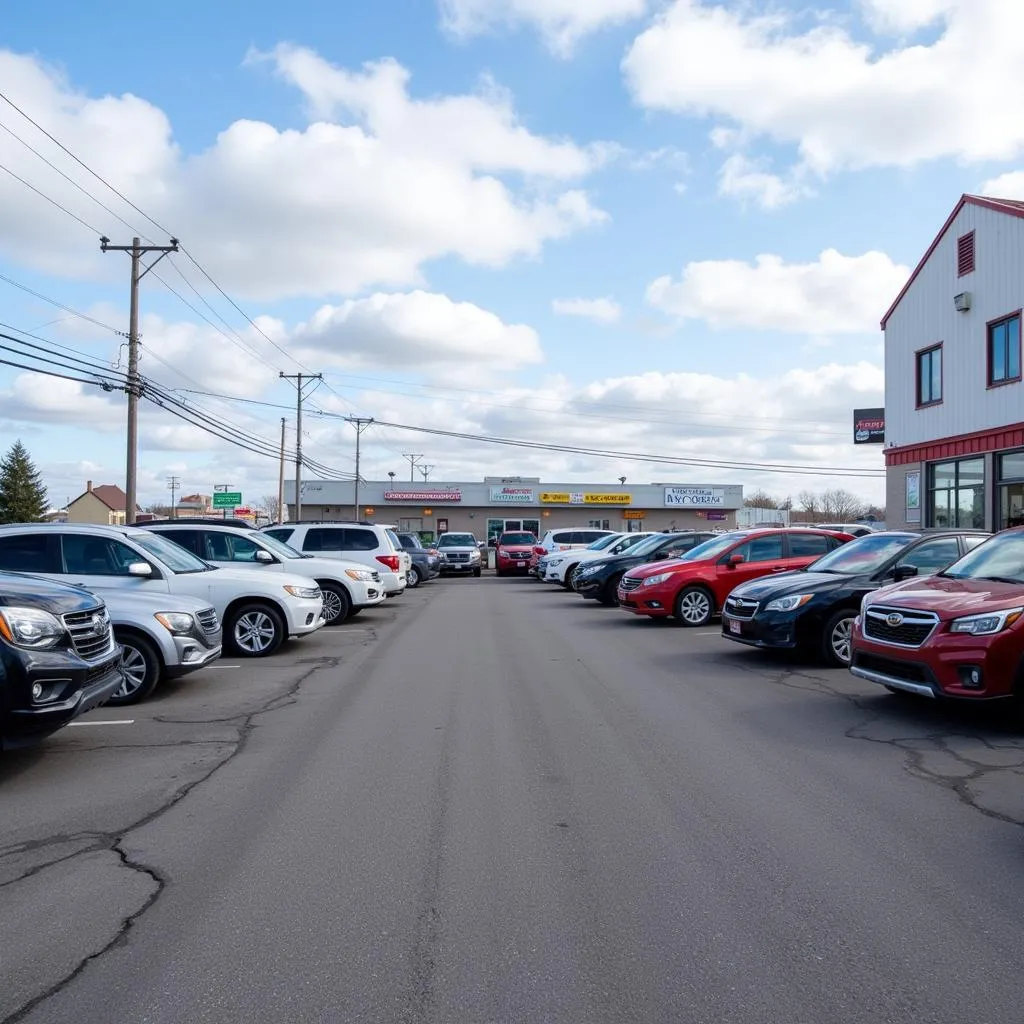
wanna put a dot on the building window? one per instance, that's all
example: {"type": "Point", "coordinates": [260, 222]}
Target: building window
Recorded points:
{"type": "Point", "coordinates": [1010, 474]}
{"type": "Point", "coordinates": [956, 494]}
{"type": "Point", "coordinates": [929, 376]}
{"type": "Point", "coordinates": [965, 254]}
{"type": "Point", "coordinates": [1004, 350]}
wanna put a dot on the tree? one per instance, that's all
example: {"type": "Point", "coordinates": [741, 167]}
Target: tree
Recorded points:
{"type": "Point", "coordinates": [272, 507]}
{"type": "Point", "coordinates": [760, 499]}
{"type": "Point", "coordinates": [809, 504]}
{"type": "Point", "coordinates": [787, 503]}
{"type": "Point", "coordinates": [22, 494]}
{"type": "Point", "coordinates": [159, 509]}
{"type": "Point", "coordinates": [841, 505]}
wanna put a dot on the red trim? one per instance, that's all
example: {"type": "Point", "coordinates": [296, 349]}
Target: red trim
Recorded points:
{"type": "Point", "coordinates": [988, 350]}
{"type": "Point", "coordinates": [965, 254]}
{"type": "Point", "coordinates": [1012, 207]}
{"type": "Point", "coordinates": [977, 443]}
{"type": "Point", "coordinates": [918, 404]}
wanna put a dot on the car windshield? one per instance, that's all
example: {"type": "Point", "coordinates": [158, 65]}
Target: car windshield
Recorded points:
{"type": "Point", "coordinates": [713, 547]}
{"type": "Point", "coordinates": [863, 556]}
{"type": "Point", "coordinates": [1000, 559]}
{"type": "Point", "coordinates": [648, 544]}
{"type": "Point", "coordinates": [280, 548]}
{"type": "Point", "coordinates": [456, 540]}
{"type": "Point", "coordinates": [174, 556]}
{"type": "Point", "coordinates": [603, 542]}
{"type": "Point", "coordinates": [517, 538]}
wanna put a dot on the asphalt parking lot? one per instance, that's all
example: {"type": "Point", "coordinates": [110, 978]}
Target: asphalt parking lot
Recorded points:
{"type": "Point", "coordinates": [490, 800]}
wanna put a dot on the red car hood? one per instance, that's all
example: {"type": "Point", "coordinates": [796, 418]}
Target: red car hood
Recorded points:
{"type": "Point", "coordinates": [653, 568]}
{"type": "Point", "coordinates": [519, 550]}
{"type": "Point", "coordinates": [950, 598]}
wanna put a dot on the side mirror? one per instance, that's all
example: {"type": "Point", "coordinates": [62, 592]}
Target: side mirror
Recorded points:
{"type": "Point", "coordinates": [734, 560]}
{"type": "Point", "coordinates": [904, 572]}
{"type": "Point", "coordinates": [264, 556]}
{"type": "Point", "coordinates": [142, 569]}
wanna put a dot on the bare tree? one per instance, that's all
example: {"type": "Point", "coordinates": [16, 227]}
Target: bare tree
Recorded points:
{"type": "Point", "coordinates": [272, 507]}
{"type": "Point", "coordinates": [810, 504]}
{"type": "Point", "coordinates": [159, 509]}
{"type": "Point", "coordinates": [760, 499]}
{"type": "Point", "coordinates": [787, 503]}
{"type": "Point", "coordinates": [841, 505]}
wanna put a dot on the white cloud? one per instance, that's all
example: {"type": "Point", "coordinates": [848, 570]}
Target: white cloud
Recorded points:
{"type": "Point", "coordinates": [749, 181]}
{"type": "Point", "coordinates": [603, 311]}
{"type": "Point", "coordinates": [368, 199]}
{"type": "Point", "coordinates": [36, 398]}
{"type": "Point", "coordinates": [836, 294]}
{"type": "Point", "coordinates": [844, 102]}
{"type": "Point", "coordinates": [562, 23]}
{"type": "Point", "coordinates": [1005, 186]}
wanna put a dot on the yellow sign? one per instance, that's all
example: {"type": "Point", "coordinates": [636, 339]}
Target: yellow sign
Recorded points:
{"type": "Point", "coordinates": [635, 514]}
{"type": "Point", "coordinates": [581, 498]}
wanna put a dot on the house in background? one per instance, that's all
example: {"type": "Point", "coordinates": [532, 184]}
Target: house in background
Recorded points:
{"type": "Point", "coordinates": [194, 505]}
{"type": "Point", "coordinates": [103, 506]}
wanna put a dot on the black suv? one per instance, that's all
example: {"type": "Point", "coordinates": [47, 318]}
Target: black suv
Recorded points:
{"type": "Point", "coordinates": [58, 658]}
{"type": "Point", "coordinates": [599, 580]}
{"type": "Point", "coordinates": [814, 608]}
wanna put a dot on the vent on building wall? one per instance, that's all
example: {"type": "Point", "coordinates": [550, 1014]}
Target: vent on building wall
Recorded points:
{"type": "Point", "coordinates": [962, 302]}
{"type": "Point", "coordinates": [965, 254]}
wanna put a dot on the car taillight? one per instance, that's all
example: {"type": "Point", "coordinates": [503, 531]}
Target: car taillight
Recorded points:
{"type": "Point", "coordinates": [393, 562]}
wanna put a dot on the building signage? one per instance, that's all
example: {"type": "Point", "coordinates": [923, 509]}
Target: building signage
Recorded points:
{"type": "Point", "coordinates": [695, 497]}
{"type": "Point", "coordinates": [416, 497]}
{"type": "Point", "coordinates": [637, 513]}
{"type": "Point", "coordinates": [583, 498]}
{"type": "Point", "coordinates": [869, 426]}
{"type": "Point", "coordinates": [513, 496]}
{"type": "Point", "coordinates": [914, 497]}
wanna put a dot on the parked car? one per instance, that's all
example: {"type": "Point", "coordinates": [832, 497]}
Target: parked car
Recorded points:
{"type": "Point", "coordinates": [853, 529]}
{"type": "Point", "coordinates": [957, 635]}
{"type": "Point", "coordinates": [368, 543]}
{"type": "Point", "coordinates": [564, 540]}
{"type": "Point", "coordinates": [512, 553]}
{"type": "Point", "coordinates": [161, 637]}
{"type": "Point", "coordinates": [347, 587]}
{"type": "Point", "coordinates": [459, 553]}
{"type": "Point", "coordinates": [58, 657]}
{"type": "Point", "coordinates": [813, 609]}
{"type": "Point", "coordinates": [599, 580]}
{"type": "Point", "coordinates": [562, 567]}
{"type": "Point", "coordinates": [426, 562]}
{"type": "Point", "coordinates": [258, 612]}
{"type": "Point", "coordinates": [693, 588]}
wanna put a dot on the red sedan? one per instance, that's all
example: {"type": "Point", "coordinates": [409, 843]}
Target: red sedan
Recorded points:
{"type": "Point", "coordinates": [693, 588]}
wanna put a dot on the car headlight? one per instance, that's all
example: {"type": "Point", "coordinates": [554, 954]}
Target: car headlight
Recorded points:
{"type": "Point", "coordinates": [789, 603]}
{"type": "Point", "coordinates": [30, 627]}
{"type": "Point", "coordinates": [552, 562]}
{"type": "Point", "coordinates": [475, 555]}
{"type": "Point", "coordinates": [589, 570]}
{"type": "Point", "coordinates": [987, 622]}
{"type": "Point", "coordinates": [359, 574]}
{"type": "Point", "coordinates": [175, 622]}
{"type": "Point", "coordinates": [659, 578]}
{"type": "Point", "coordinates": [307, 593]}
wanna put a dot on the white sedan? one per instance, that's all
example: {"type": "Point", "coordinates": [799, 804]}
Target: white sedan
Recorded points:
{"type": "Point", "coordinates": [560, 566]}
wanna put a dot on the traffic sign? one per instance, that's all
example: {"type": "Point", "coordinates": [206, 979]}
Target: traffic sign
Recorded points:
{"type": "Point", "coordinates": [227, 499]}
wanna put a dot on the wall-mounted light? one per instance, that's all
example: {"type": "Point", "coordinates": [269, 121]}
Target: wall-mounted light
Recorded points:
{"type": "Point", "coordinates": [428, 511]}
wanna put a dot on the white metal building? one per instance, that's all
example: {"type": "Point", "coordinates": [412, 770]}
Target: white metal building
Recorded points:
{"type": "Point", "coordinates": [954, 400]}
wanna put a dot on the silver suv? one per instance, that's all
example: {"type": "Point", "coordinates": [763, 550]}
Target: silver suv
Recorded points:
{"type": "Point", "coordinates": [459, 553]}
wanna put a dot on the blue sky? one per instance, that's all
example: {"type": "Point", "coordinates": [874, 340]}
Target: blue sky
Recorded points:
{"type": "Point", "coordinates": [421, 192]}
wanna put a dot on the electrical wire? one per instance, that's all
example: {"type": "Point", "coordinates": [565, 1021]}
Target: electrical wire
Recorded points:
{"type": "Point", "coordinates": [43, 195]}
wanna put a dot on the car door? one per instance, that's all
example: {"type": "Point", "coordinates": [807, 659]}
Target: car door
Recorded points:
{"type": "Point", "coordinates": [761, 557]}
{"type": "Point", "coordinates": [37, 553]}
{"type": "Point", "coordinates": [932, 556]}
{"type": "Point", "coordinates": [100, 562]}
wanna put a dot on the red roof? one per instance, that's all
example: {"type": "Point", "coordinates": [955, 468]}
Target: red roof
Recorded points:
{"type": "Point", "coordinates": [110, 494]}
{"type": "Point", "coordinates": [1013, 207]}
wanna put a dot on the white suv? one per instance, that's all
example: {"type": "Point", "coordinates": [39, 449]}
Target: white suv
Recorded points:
{"type": "Point", "coordinates": [348, 587]}
{"type": "Point", "coordinates": [560, 566]}
{"type": "Point", "coordinates": [258, 612]}
{"type": "Point", "coordinates": [368, 543]}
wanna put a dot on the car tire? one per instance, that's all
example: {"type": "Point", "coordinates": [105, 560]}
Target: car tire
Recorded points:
{"type": "Point", "coordinates": [609, 594]}
{"type": "Point", "coordinates": [336, 600]}
{"type": "Point", "coordinates": [835, 640]}
{"type": "Point", "coordinates": [143, 669]}
{"type": "Point", "coordinates": [413, 578]}
{"type": "Point", "coordinates": [569, 573]}
{"type": "Point", "coordinates": [477, 572]}
{"type": "Point", "coordinates": [254, 630]}
{"type": "Point", "coordinates": [694, 607]}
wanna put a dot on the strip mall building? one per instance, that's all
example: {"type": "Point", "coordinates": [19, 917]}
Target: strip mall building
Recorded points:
{"type": "Point", "coordinates": [954, 399]}
{"type": "Point", "coordinates": [488, 507]}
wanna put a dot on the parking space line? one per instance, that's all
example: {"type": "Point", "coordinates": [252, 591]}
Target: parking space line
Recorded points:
{"type": "Point", "coordinates": [117, 721]}
{"type": "Point", "coordinates": [225, 666]}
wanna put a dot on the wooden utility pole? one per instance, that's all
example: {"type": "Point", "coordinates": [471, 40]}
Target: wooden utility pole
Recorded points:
{"type": "Point", "coordinates": [300, 388]}
{"type": "Point", "coordinates": [137, 250]}
{"type": "Point", "coordinates": [360, 423]}
{"type": "Point", "coordinates": [413, 459]}
{"type": "Point", "coordinates": [280, 480]}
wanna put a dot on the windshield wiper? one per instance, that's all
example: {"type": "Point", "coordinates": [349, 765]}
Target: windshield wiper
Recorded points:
{"type": "Point", "coordinates": [1001, 579]}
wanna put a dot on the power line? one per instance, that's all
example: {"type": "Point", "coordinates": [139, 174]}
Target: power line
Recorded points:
{"type": "Point", "coordinates": [60, 305]}
{"type": "Point", "coordinates": [43, 195]}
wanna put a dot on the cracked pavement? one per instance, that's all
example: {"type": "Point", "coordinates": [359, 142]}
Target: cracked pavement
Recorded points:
{"type": "Point", "coordinates": [491, 801]}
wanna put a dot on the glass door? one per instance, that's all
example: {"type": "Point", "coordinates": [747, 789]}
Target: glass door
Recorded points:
{"type": "Point", "coordinates": [532, 526]}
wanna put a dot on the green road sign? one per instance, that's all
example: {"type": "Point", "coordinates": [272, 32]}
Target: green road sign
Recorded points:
{"type": "Point", "coordinates": [227, 499]}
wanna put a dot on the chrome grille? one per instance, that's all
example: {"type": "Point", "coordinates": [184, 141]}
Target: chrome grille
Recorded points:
{"type": "Point", "coordinates": [459, 556]}
{"type": "Point", "coordinates": [898, 627]}
{"type": "Point", "coordinates": [208, 621]}
{"type": "Point", "coordinates": [740, 608]}
{"type": "Point", "coordinates": [90, 633]}
{"type": "Point", "coordinates": [630, 583]}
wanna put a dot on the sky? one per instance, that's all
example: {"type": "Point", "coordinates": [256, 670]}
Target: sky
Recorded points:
{"type": "Point", "coordinates": [654, 228]}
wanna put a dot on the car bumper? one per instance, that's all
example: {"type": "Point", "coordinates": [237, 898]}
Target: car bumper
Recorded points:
{"type": "Point", "coordinates": [769, 630]}
{"type": "Point", "coordinates": [520, 566]}
{"type": "Point", "coordinates": [657, 602]}
{"type": "Point", "coordinates": [457, 568]}
{"type": "Point", "coordinates": [366, 595]}
{"type": "Point", "coordinates": [589, 587]}
{"type": "Point", "coordinates": [393, 583]}
{"type": "Point", "coordinates": [304, 615]}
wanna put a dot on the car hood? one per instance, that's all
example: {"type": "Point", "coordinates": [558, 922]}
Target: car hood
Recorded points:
{"type": "Point", "coordinates": [449, 548]}
{"type": "Point", "coordinates": [795, 582]}
{"type": "Point", "coordinates": [250, 576]}
{"type": "Point", "coordinates": [645, 568]}
{"type": "Point", "coordinates": [951, 598]}
{"type": "Point", "coordinates": [517, 549]}
{"type": "Point", "coordinates": [22, 589]}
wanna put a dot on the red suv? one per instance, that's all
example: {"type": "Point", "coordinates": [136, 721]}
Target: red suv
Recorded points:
{"type": "Point", "coordinates": [512, 553]}
{"type": "Point", "coordinates": [957, 634]}
{"type": "Point", "coordinates": [694, 588]}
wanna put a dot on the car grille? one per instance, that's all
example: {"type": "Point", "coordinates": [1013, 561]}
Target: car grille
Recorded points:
{"type": "Point", "coordinates": [458, 556]}
{"type": "Point", "coordinates": [90, 633]}
{"type": "Point", "coordinates": [740, 608]}
{"type": "Point", "coordinates": [208, 621]}
{"type": "Point", "coordinates": [898, 627]}
{"type": "Point", "coordinates": [630, 583]}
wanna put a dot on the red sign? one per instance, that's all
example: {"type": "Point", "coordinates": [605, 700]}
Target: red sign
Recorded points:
{"type": "Point", "coordinates": [420, 496]}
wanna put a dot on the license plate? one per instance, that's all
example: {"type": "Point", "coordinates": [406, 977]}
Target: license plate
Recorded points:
{"type": "Point", "coordinates": [520, 565]}
{"type": "Point", "coordinates": [735, 627]}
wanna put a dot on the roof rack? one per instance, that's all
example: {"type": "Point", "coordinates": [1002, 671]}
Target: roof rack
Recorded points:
{"type": "Point", "coordinates": [324, 522]}
{"type": "Point", "coordinates": [198, 520]}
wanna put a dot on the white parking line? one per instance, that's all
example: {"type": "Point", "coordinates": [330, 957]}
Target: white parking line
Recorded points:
{"type": "Point", "coordinates": [225, 666]}
{"type": "Point", "coordinates": [119, 721]}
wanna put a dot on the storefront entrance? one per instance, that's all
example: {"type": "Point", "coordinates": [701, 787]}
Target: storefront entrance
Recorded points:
{"type": "Point", "coordinates": [496, 527]}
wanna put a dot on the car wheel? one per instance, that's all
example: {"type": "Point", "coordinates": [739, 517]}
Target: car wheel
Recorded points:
{"type": "Point", "coordinates": [610, 593]}
{"type": "Point", "coordinates": [413, 578]}
{"type": "Point", "coordinates": [337, 603]}
{"type": "Point", "coordinates": [142, 669]}
{"type": "Point", "coordinates": [476, 572]}
{"type": "Point", "coordinates": [254, 630]}
{"type": "Point", "coordinates": [836, 640]}
{"type": "Point", "coordinates": [694, 607]}
{"type": "Point", "coordinates": [568, 577]}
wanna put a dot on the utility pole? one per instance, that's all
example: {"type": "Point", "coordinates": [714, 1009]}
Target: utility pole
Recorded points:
{"type": "Point", "coordinates": [172, 486]}
{"type": "Point", "coordinates": [413, 459]}
{"type": "Point", "coordinates": [137, 251]}
{"type": "Point", "coordinates": [360, 423]}
{"type": "Point", "coordinates": [300, 389]}
{"type": "Point", "coordinates": [425, 470]}
{"type": "Point", "coordinates": [280, 480]}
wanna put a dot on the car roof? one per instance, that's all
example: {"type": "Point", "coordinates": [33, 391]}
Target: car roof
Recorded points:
{"type": "Point", "coordinates": [99, 529]}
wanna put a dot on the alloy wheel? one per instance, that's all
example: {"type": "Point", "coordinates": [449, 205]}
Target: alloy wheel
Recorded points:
{"type": "Point", "coordinates": [255, 632]}
{"type": "Point", "coordinates": [134, 672]}
{"type": "Point", "coordinates": [332, 605]}
{"type": "Point", "coordinates": [840, 640]}
{"type": "Point", "coordinates": [695, 608]}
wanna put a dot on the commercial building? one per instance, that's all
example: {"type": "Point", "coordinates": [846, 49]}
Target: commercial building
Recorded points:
{"type": "Point", "coordinates": [492, 505]}
{"type": "Point", "coordinates": [954, 400]}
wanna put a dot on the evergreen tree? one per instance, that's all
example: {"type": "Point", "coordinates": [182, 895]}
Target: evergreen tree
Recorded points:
{"type": "Point", "coordinates": [22, 494]}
